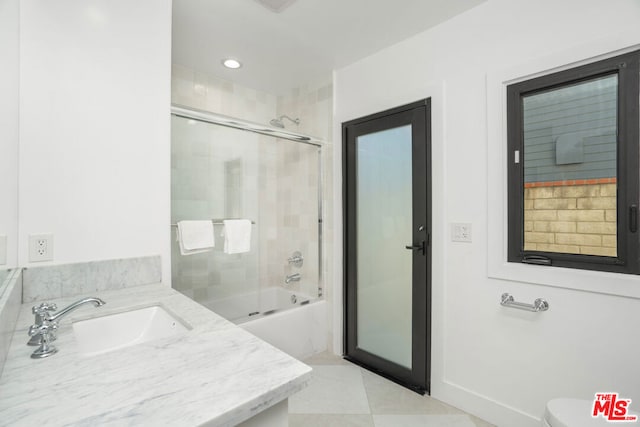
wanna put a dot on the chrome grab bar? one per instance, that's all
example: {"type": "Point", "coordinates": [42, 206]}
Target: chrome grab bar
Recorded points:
{"type": "Point", "coordinates": [538, 305]}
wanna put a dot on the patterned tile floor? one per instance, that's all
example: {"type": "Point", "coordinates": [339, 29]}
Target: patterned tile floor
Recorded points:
{"type": "Point", "coordinates": [342, 394]}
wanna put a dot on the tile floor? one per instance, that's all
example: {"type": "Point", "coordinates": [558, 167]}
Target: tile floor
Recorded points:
{"type": "Point", "coordinates": [342, 394]}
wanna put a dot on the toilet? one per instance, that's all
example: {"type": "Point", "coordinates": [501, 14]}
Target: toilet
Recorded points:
{"type": "Point", "coordinates": [577, 413]}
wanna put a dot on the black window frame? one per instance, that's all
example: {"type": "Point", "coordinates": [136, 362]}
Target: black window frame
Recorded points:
{"type": "Point", "coordinates": [627, 68]}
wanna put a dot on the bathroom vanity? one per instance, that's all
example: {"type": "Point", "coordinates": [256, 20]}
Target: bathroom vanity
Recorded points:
{"type": "Point", "coordinates": [211, 372]}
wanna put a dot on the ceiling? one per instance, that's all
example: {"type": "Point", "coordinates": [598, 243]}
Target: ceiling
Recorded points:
{"type": "Point", "coordinates": [301, 44]}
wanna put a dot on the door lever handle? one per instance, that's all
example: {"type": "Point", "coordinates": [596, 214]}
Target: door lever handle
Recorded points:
{"type": "Point", "coordinates": [420, 247]}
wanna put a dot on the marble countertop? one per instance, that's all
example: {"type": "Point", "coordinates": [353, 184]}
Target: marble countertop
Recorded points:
{"type": "Point", "coordinates": [215, 373]}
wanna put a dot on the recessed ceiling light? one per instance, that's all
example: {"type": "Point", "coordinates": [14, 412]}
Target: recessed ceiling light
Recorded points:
{"type": "Point", "coordinates": [231, 63]}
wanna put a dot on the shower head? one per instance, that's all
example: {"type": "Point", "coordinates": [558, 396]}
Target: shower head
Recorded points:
{"type": "Point", "coordinates": [278, 122]}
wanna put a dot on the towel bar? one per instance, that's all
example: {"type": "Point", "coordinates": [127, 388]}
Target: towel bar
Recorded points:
{"type": "Point", "coordinates": [215, 222]}
{"type": "Point", "coordinates": [538, 305]}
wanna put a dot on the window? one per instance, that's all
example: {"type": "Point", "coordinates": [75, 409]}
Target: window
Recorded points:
{"type": "Point", "coordinates": [573, 167]}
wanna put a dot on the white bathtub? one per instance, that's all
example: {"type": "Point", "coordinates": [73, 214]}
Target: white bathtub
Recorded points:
{"type": "Point", "coordinates": [290, 321]}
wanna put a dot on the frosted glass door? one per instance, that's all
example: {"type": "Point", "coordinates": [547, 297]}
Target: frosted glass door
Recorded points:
{"type": "Point", "coordinates": [384, 223]}
{"type": "Point", "coordinates": [387, 252]}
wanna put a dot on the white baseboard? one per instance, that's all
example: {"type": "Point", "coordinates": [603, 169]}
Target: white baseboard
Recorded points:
{"type": "Point", "coordinates": [482, 406]}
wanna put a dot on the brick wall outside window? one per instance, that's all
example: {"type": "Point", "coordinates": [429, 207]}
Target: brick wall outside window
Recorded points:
{"type": "Point", "coordinates": [577, 218]}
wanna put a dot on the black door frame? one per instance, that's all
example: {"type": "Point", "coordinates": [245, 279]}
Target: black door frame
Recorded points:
{"type": "Point", "coordinates": [418, 114]}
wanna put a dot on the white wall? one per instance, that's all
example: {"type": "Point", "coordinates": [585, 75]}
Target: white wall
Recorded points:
{"type": "Point", "coordinates": [501, 364]}
{"type": "Point", "coordinates": [9, 125]}
{"type": "Point", "coordinates": [94, 123]}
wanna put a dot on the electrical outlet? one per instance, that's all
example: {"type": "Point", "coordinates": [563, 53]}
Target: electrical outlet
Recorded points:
{"type": "Point", "coordinates": [461, 232]}
{"type": "Point", "coordinates": [40, 247]}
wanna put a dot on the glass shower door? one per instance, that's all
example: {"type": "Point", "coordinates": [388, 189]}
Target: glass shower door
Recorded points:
{"type": "Point", "coordinates": [214, 176]}
{"type": "Point", "coordinates": [220, 172]}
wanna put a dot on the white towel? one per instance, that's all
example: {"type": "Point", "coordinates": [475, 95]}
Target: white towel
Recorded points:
{"type": "Point", "coordinates": [237, 236]}
{"type": "Point", "coordinates": [195, 237]}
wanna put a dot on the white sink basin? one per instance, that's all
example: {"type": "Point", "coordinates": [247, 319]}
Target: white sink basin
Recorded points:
{"type": "Point", "coordinates": [115, 331]}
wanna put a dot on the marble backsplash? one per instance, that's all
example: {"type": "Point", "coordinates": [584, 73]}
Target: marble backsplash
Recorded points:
{"type": "Point", "coordinates": [57, 281]}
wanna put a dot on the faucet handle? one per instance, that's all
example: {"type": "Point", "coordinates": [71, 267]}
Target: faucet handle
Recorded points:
{"type": "Point", "coordinates": [42, 313]}
{"type": "Point", "coordinates": [43, 308]}
{"type": "Point", "coordinates": [46, 328]}
{"type": "Point", "coordinates": [46, 332]}
{"type": "Point", "coordinates": [34, 330]}
{"type": "Point", "coordinates": [296, 259]}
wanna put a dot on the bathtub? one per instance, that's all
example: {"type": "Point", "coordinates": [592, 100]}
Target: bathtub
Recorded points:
{"type": "Point", "coordinates": [290, 321]}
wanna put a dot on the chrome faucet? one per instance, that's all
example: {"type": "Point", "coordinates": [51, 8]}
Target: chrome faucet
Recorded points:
{"type": "Point", "coordinates": [96, 302]}
{"type": "Point", "coordinates": [43, 331]}
{"type": "Point", "coordinates": [292, 278]}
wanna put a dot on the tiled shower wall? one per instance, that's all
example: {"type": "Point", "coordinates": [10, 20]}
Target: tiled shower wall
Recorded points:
{"type": "Point", "coordinates": [296, 205]}
{"type": "Point", "coordinates": [285, 179]}
{"type": "Point", "coordinates": [313, 104]}
{"type": "Point", "coordinates": [206, 92]}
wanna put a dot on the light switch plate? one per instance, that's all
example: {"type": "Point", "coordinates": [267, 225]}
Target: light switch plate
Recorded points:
{"type": "Point", "coordinates": [461, 232]}
{"type": "Point", "coordinates": [3, 250]}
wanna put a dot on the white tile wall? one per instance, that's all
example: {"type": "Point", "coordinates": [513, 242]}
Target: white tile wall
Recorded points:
{"type": "Point", "coordinates": [313, 105]}
{"type": "Point", "coordinates": [210, 93]}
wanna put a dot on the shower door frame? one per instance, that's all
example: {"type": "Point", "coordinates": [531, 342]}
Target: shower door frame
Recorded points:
{"type": "Point", "coordinates": [241, 124]}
